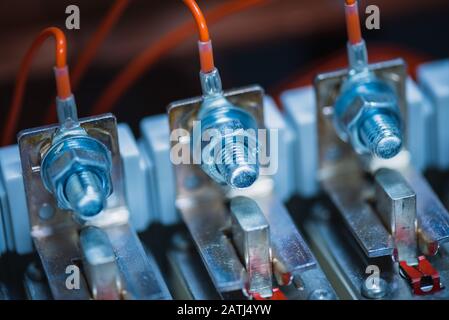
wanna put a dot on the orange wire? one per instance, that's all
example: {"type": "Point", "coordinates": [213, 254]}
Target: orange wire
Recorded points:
{"type": "Point", "coordinates": [203, 31]}
{"type": "Point", "coordinates": [143, 62]}
{"type": "Point", "coordinates": [62, 78]}
{"type": "Point", "coordinates": [205, 45]}
{"type": "Point", "coordinates": [353, 22]}
{"type": "Point", "coordinates": [91, 48]}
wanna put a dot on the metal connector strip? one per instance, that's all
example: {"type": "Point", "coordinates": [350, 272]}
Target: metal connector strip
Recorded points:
{"type": "Point", "coordinates": [396, 204]}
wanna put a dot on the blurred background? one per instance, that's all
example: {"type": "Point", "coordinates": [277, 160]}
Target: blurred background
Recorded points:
{"type": "Point", "coordinates": [278, 44]}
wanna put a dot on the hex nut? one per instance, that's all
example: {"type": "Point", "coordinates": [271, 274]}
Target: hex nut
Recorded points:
{"type": "Point", "coordinates": [359, 101]}
{"type": "Point", "coordinates": [71, 155]}
{"type": "Point", "coordinates": [229, 122]}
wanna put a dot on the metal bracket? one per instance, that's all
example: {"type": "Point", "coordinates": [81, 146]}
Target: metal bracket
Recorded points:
{"type": "Point", "coordinates": [327, 89]}
{"type": "Point", "coordinates": [201, 203]}
{"type": "Point", "coordinates": [56, 234]}
{"type": "Point", "coordinates": [343, 176]}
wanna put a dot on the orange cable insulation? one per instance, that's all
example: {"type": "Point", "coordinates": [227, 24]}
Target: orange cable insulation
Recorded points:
{"type": "Point", "coordinates": [205, 45]}
{"type": "Point", "coordinates": [143, 62]}
{"type": "Point", "coordinates": [353, 22]}
{"type": "Point", "coordinates": [197, 14]}
{"type": "Point", "coordinates": [61, 74]}
{"type": "Point", "coordinates": [91, 48]}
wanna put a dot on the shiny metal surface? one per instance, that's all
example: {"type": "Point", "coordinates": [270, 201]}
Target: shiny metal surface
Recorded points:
{"type": "Point", "coordinates": [188, 276]}
{"type": "Point", "coordinates": [433, 217]}
{"type": "Point", "coordinates": [348, 193]}
{"type": "Point", "coordinates": [202, 207]}
{"type": "Point", "coordinates": [251, 237]}
{"type": "Point", "coordinates": [229, 155]}
{"type": "Point", "coordinates": [396, 204]}
{"type": "Point", "coordinates": [205, 222]}
{"type": "Point", "coordinates": [346, 264]}
{"type": "Point", "coordinates": [66, 109]}
{"type": "Point", "coordinates": [328, 87]}
{"type": "Point", "coordinates": [56, 239]}
{"type": "Point", "coordinates": [288, 246]}
{"type": "Point", "coordinates": [76, 169]}
{"type": "Point", "coordinates": [347, 179]}
{"type": "Point", "coordinates": [33, 144]}
{"type": "Point", "coordinates": [139, 272]}
{"type": "Point", "coordinates": [366, 110]}
{"type": "Point", "coordinates": [100, 264]}
{"type": "Point", "coordinates": [211, 83]}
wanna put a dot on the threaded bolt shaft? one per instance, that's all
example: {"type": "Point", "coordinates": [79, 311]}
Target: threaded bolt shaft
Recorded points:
{"type": "Point", "coordinates": [237, 165]}
{"type": "Point", "coordinates": [85, 193]}
{"type": "Point", "coordinates": [381, 134]}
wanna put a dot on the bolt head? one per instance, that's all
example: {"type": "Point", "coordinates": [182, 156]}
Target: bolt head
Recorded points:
{"type": "Point", "coordinates": [321, 294]}
{"type": "Point", "coordinates": [72, 155]}
{"type": "Point", "coordinates": [228, 123]}
{"type": "Point", "coordinates": [388, 147]}
{"type": "Point", "coordinates": [357, 102]}
{"type": "Point", "coordinates": [243, 176]}
{"type": "Point", "coordinates": [85, 200]}
{"type": "Point", "coordinates": [375, 290]}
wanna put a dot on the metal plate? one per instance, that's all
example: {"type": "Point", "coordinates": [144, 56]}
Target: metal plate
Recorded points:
{"type": "Point", "coordinates": [201, 203]}
{"type": "Point", "coordinates": [333, 152]}
{"type": "Point", "coordinates": [347, 193]}
{"type": "Point", "coordinates": [345, 264]}
{"type": "Point", "coordinates": [57, 238]}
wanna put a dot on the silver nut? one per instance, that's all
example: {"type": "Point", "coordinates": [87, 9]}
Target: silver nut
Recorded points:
{"type": "Point", "coordinates": [230, 136]}
{"type": "Point", "coordinates": [72, 155]}
{"type": "Point", "coordinates": [357, 103]}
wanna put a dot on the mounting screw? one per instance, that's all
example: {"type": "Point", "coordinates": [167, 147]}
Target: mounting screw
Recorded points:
{"type": "Point", "coordinates": [321, 294]}
{"type": "Point", "coordinates": [375, 289]}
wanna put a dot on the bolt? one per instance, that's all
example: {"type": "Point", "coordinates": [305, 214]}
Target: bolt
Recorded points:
{"type": "Point", "coordinates": [367, 115]}
{"type": "Point", "coordinates": [85, 193]}
{"type": "Point", "coordinates": [76, 170]}
{"type": "Point", "coordinates": [321, 294]}
{"type": "Point", "coordinates": [235, 169]}
{"type": "Point", "coordinates": [235, 163]}
{"type": "Point", "coordinates": [375, 289]}
{"type": "Point", "coordinates": [381, 135]}
{"type": "Point", "coordinates": [235, 150]}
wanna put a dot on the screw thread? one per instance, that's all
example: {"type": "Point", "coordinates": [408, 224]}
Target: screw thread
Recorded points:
{"type": "Point", "coordinates": [380, 133]}
{"type": "Point", "coordinates": [237, 165]}
{"type": "Point", "coordinates": [85, 193]}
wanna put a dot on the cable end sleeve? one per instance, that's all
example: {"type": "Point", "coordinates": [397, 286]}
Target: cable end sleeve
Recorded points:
{"type": "Point", "coordinates": [63, 87]}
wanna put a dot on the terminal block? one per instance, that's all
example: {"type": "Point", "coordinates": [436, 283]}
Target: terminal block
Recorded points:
{"type": "Point", "coordinates": [89, 231]}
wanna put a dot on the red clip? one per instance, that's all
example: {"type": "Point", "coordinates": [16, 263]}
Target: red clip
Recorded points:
{"type": "Point", "coordinates": [422, 276]}
{"type": "Point", "coordinates": [277, 295]}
